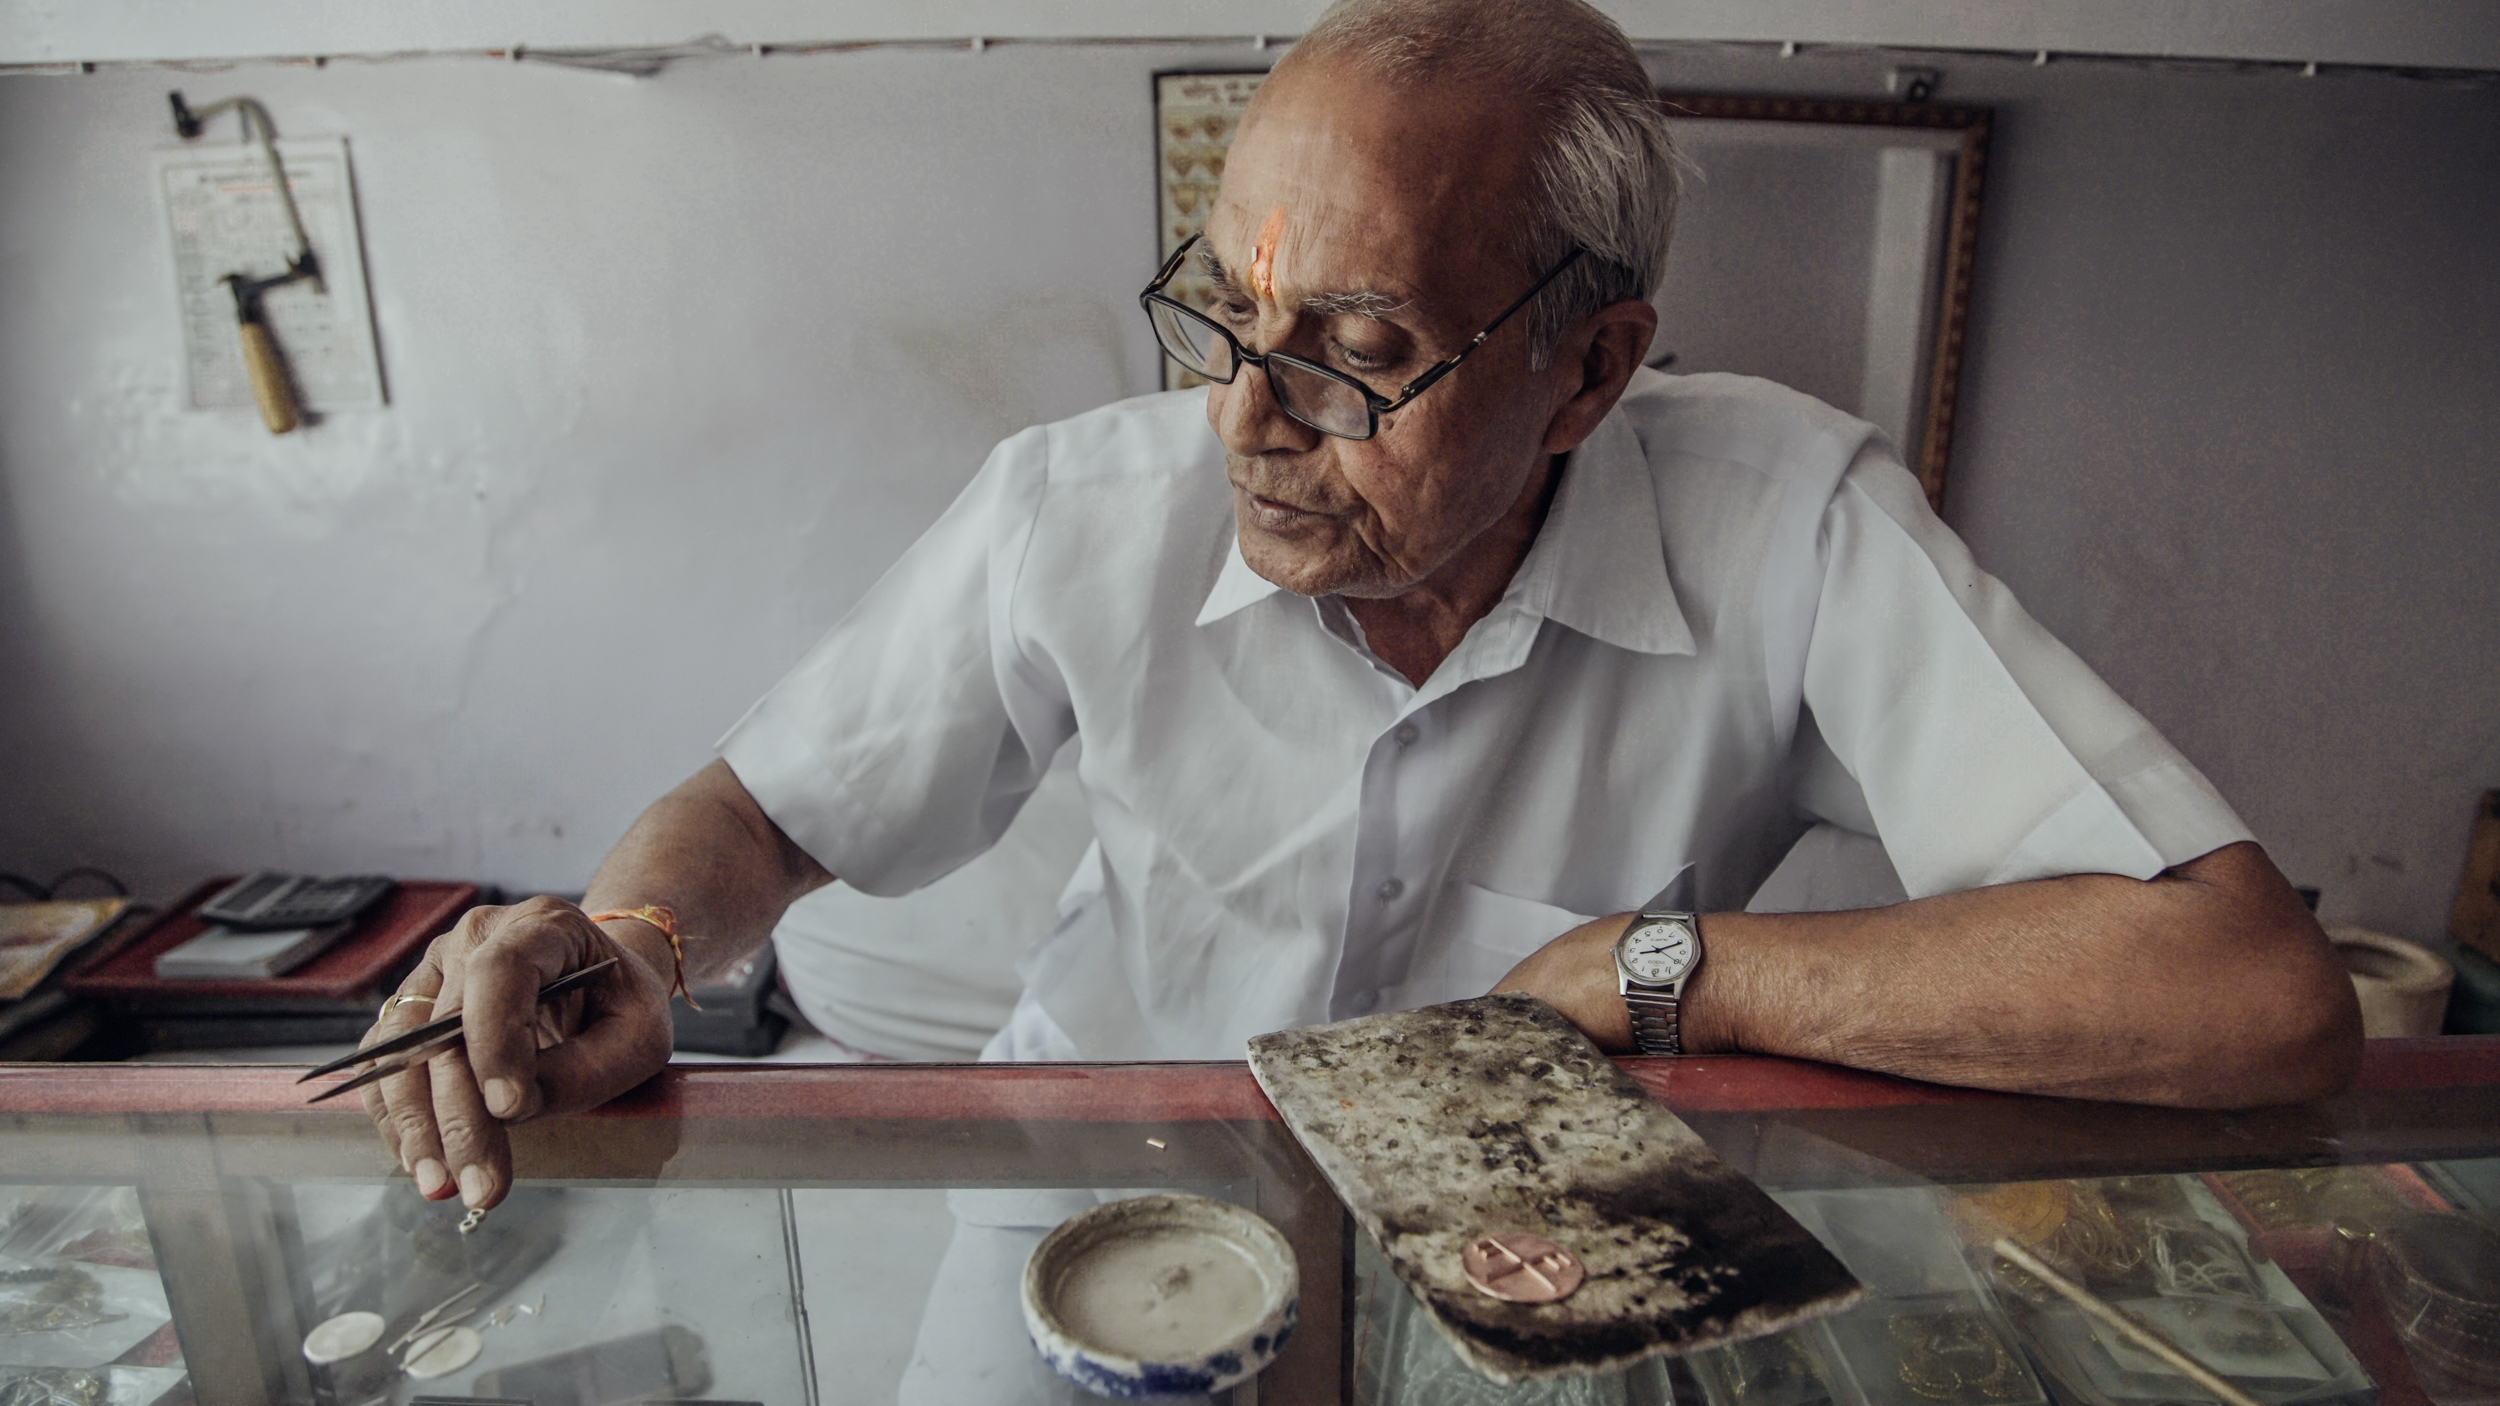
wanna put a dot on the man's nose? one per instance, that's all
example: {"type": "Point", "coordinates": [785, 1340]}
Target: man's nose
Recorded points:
{"type": "Point", "coordinates": [1248, 419]}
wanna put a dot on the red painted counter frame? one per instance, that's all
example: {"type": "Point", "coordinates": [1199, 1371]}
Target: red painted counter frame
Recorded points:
{"type": "Point", "coordinates": [1717, 1084]}
{"type": "Point", "coordinates": [190, 1136]}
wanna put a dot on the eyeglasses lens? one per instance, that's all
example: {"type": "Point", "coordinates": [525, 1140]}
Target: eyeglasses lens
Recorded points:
{"type": "Point", "coordinates": [1322, 402]}
{"type": "Point", "coordinates": [1193, 342]}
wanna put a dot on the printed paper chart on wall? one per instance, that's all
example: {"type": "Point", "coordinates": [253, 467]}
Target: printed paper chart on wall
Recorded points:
{"type": "Point", "coordinates": [1195, 114]}
{"type": "Point", "coordinates": [223, 215]}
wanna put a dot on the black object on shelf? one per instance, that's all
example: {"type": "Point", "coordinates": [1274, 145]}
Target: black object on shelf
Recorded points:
{"type": "Point", "coordinates": [734, 1019]}
{"type": "Point", "coordinates": [268, 900]}
{"type": "Point", "coordinates": [230, 1032]}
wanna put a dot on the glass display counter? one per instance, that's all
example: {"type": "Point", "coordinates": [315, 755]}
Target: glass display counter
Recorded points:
{"type": "Point", "coordinates": [855, 1234]}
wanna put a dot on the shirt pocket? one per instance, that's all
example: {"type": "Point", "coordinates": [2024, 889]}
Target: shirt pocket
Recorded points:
{"type": "Point", "coordinates": [1476, 937]}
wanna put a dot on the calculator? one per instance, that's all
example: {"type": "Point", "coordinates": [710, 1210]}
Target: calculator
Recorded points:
{"type": "Point", "coordinates": [269, 900]}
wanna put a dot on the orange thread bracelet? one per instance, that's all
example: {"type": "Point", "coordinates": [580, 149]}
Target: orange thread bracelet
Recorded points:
{"type": "Point", "coordinates": [666, 921]}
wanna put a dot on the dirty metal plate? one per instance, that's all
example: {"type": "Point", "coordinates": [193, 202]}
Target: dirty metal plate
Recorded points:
{"type": "Point", "coordinates": [1442, 1125]}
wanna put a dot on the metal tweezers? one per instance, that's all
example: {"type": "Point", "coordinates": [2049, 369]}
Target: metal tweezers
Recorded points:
{"type": "Point", "coordinates": [426, 1041]}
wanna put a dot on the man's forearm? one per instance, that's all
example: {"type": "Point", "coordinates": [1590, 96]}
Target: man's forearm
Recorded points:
{"type": "Point", "coordinates": [708, 853]}
{"type": "Point", "coordinates": [2209, 985]}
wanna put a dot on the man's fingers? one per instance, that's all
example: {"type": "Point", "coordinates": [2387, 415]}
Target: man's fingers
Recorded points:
{"type": "Point", "coordinates": [371, 1097]}
{"type": "Point", "coordinates": [473, 1141]}
{"type": "Point", "coordinates": [624, 1044]}
{"type": "Point", "coordinates": [534, 944]}
{"type": "Point", "coordinates": [407, 1124]}
{"type": "Point", "coordinates": [408, 1102]}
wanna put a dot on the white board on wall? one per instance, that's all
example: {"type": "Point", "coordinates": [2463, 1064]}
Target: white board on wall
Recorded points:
{"type": "Point", "coordinates": [222, 216]}
{"type": "Point", "coordinates": [1810, 255]}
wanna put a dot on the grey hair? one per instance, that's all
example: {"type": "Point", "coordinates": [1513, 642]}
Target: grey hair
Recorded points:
{"type": "Point", "coordinates": [1605, 170]}
{"type": "Point", "coordinates": [1361, 303]}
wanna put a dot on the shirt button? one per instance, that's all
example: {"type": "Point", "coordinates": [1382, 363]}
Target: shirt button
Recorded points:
{"type": "Point", "coordinates": [1390, 888]}
{"type": "Point", "coordinates": [1405, 734]}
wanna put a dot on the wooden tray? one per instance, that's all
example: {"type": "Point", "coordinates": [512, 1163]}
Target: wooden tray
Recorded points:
{"type": "Point", "coordinates": [353, 974]}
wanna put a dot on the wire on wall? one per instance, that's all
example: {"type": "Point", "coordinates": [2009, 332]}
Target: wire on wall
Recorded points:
{"type": "Point", "coordinates": [647, 61]}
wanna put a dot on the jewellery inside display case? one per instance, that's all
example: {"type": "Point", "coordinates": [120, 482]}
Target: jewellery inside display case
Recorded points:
{"type": "Point", "coordinates": [1926, 1334]}
{"type": "Point", "coordinates": [726, 1235]}
{"type": "Point", "coordinates": [1951, 1356]}
{"type": "Point", "coordinates": [1782, 1369]}
{"type": "Point", "coordinates": [83, 1314]}
{"type": "Point", "coordinates": [654, 1289]}
{"type": "Point", "coordinates": [2439, 1275]}
{"type": "Point", "coordinates": [2185, 1271]}
{"type": "Point", "coordinates": [1948, 1323]}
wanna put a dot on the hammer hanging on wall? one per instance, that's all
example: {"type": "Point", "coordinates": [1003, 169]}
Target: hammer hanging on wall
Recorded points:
{"type": "Point", "coordinates": [261, 358]}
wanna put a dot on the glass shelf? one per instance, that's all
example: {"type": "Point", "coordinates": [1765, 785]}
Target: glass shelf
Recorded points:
{"type": "Point", "coordinates": [817, 1234]}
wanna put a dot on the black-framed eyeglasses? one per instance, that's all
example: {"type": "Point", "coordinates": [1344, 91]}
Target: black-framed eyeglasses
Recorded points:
{"type": "Point", "coordinates": [1328, 401]}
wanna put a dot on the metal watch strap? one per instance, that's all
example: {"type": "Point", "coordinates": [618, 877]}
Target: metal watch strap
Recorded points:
{"type": "Point", "coordinates": [1657, 1024]}
{"type": "Point", "coordinates": [1657, 1016]}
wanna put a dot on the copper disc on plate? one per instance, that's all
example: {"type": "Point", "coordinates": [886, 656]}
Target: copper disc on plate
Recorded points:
{"type": "Point", "coordinates": [1517, 1267]}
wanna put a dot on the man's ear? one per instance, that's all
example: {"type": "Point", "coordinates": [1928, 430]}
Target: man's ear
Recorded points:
{"type": "Point", "coordinates": [1595, 361]}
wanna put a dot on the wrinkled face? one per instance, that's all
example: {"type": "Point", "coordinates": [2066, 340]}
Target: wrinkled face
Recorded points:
{"type": "Point", "coordinates": [1361, 226]}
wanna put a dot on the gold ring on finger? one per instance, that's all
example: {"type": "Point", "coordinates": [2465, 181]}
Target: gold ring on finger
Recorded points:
{"type": "Point", "coordinates": [395, 1002]}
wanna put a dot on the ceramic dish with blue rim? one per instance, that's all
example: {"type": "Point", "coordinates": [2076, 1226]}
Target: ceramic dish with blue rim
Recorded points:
{"type": "Point", "coordinates": [1161, 1296]}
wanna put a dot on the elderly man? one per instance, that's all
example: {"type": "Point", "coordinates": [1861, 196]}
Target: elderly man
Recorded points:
{"type": "Point", "coordinates": [1460, 651]}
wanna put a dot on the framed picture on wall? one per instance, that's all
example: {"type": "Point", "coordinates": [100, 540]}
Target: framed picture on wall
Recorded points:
{"type": "Point", "coordinates": [1195, 114]}
{"type": "Point", "coordinates": [1827, 245]}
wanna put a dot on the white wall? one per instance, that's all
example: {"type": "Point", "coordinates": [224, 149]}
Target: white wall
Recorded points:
{"type": "Point", "coordinates": [678, 365]}
{"type": "Point", "coordinates": [2236, 436]}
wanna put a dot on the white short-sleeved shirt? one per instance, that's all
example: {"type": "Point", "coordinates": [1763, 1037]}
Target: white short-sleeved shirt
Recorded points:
{"type": "Point", "coordinates": [1738, 620]}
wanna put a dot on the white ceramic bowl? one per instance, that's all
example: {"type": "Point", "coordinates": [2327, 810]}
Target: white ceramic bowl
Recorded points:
{"type": "Point", "coordinates": [1160, 1296]}
{"type": "Point", "coordinates": [2402, 986]}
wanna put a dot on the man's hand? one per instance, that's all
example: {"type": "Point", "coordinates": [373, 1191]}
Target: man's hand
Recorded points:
{"type": "Point", "coordinates": [1575, 974]}
{"type": "Point", "coordinates": [2206, 986]}
{"type": "Point", "coordinates": [444, 1119]}
{"type": "Point", "coordinates": [707, 851]}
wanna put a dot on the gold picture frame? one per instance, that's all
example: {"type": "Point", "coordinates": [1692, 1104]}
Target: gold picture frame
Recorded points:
{"type": "Point", "coordinates": [1195, 115]}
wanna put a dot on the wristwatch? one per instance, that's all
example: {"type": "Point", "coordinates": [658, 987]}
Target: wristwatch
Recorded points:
{"type": "Point", "coordinates": [1656, 955]}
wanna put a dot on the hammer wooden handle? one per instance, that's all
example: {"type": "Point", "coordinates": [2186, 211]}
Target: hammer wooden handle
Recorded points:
{"type": "Point", "coordinates": [269, 387]}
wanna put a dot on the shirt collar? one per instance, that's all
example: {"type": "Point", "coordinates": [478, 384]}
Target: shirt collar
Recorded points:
{"type": "Point", "coordinates": [1598, 564]}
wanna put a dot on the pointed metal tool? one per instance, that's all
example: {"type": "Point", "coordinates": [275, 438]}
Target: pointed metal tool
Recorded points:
{"type": "Point", "coordinates": [416, 1046]}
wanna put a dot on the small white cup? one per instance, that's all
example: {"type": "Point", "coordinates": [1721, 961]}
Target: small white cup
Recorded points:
{"type": "Point", "coordinates": [2403, 985]}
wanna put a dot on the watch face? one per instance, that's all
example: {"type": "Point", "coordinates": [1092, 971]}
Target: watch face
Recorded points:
{"type": "Point", "coordinates": [1658, 953]}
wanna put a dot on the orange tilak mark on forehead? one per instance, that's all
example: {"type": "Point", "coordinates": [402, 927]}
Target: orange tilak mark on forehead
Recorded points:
{"type": "Point", "coordinates": [1263, 254]}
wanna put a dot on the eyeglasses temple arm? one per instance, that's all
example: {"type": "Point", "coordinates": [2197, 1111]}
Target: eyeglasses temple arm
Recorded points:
{"type": "Point", "coordinates": [1172, 265]}
{"type": "Point", "coordinates": [1445, 366]}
